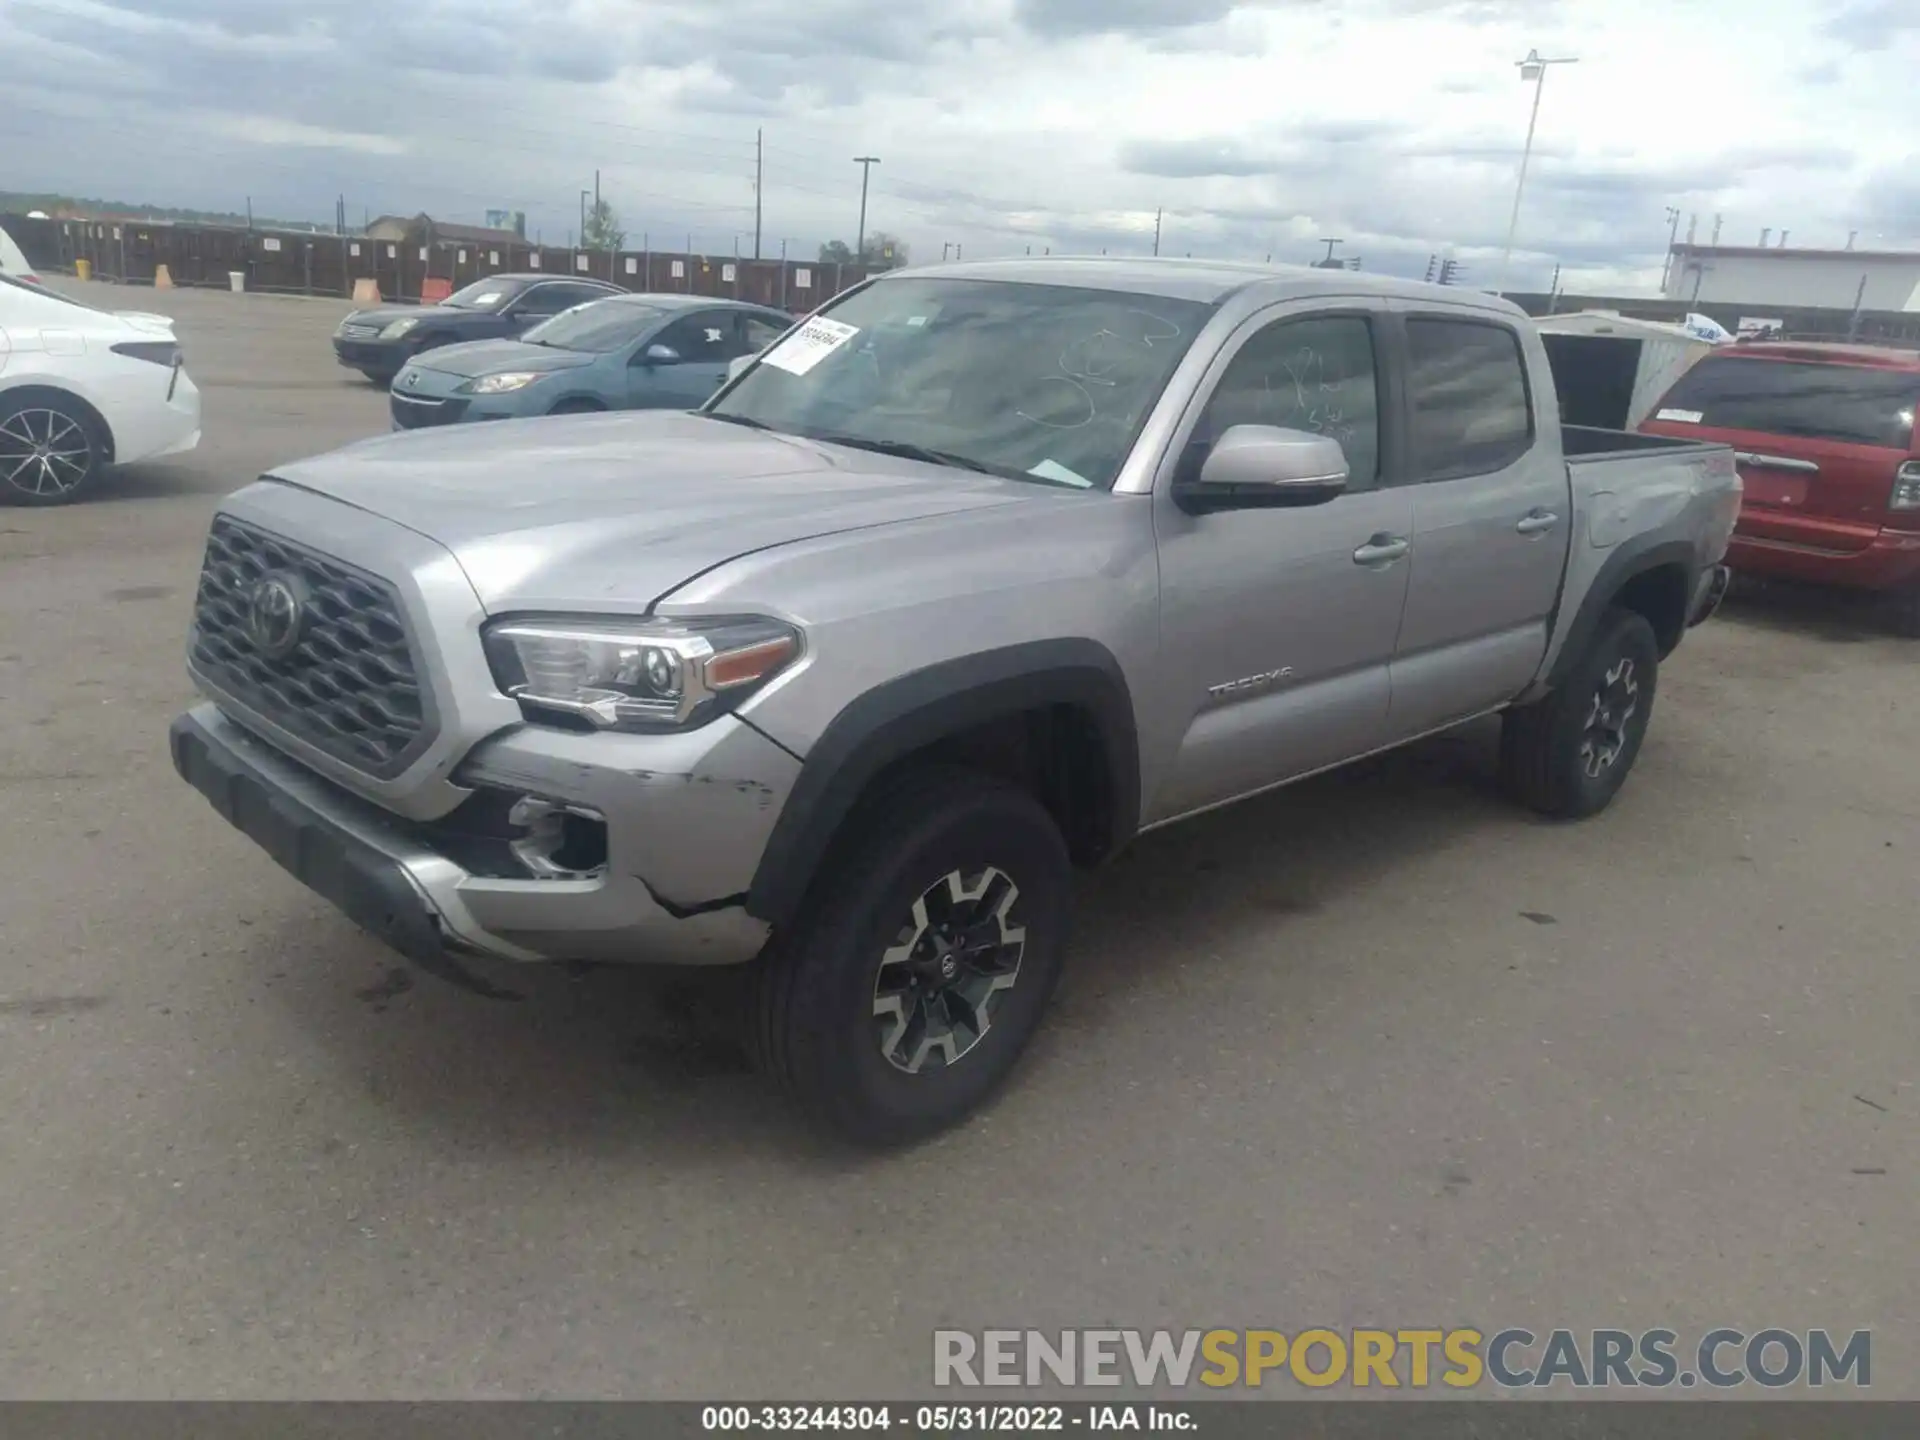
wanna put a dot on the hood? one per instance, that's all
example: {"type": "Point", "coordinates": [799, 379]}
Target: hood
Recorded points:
{"type": "Point", "coordinates": [492, 357]}
{"type": "Point", "coordinates": [388, 313]}
{"type": "Point", "coordinates": [611, 512]}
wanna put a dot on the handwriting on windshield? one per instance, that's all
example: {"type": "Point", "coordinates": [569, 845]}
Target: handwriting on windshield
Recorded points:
{"type": "Point", "coordinates": [1094, 363]}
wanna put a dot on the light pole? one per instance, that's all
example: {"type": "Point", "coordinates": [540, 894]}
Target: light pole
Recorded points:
{"type": "Point", "coordinates": [1533, 68]}
{"type": "Point", "coordinates": [1673, 236]}
{"type": "Point", "coordinates": [583, 218]}
{"type": "Point", "coordinates": [866, 164]}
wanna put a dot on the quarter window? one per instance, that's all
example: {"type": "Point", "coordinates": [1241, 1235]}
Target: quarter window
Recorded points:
{"type": "Point", "coordinates": [1467, 389]}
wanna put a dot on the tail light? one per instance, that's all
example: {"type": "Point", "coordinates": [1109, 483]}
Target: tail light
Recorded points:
{"type": "Point", "coordinates": [160, 352]}
{"type": "Point", "coordinates": [1906, 488]}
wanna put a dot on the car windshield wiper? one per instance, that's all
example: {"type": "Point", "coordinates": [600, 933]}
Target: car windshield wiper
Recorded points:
{"type": "Point", "coordinates": [735, 420]}
{"type": "Point", "coordinates": [907, 450]}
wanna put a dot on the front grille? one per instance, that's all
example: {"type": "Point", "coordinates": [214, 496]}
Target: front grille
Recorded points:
{"type": "Point", "coordinates": [359, 332]}
{"type": "Point", "coordinates": [349, 687]}
{"type": "Point", "coordinates": [411, 412]}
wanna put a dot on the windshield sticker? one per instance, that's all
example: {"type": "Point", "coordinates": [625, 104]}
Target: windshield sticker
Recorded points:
{"type": "Point", "coordinates": [713, 335]}
{"type": "Point", "coordinates": [914, 320]}
{"type": "Point", "coordinates": [482, 302]}
{"type": "Point", "coordinates": [1685, 417]}
{"type": "Point", "coordinates": [809, 345]}
{"type": "Point", "coordinates": [1053, 470]}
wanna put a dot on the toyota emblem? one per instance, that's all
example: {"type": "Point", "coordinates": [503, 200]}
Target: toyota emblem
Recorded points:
{"type": "Point", "coordinates": [413, 380]}
{"type": "Point", "coordinates": [277, 614]}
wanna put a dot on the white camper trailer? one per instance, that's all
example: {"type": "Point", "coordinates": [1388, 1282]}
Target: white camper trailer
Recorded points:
{"type": "Point", "coordinates": [1611, 370]}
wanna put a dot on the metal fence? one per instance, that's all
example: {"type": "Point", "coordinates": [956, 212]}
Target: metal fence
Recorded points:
{"type": "Point", "coordinates": [306, 263]}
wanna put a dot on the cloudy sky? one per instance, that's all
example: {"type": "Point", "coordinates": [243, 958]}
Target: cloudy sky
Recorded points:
{"type": "Point", "coordinates": [1395, 125]}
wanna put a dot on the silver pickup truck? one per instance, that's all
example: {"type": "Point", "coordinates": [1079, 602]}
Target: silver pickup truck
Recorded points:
{"type": "Point", "coordinates": [969, 579]}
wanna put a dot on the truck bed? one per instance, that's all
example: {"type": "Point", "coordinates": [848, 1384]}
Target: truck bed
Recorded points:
{"type": "Point", "coordinates": [1587, 443]}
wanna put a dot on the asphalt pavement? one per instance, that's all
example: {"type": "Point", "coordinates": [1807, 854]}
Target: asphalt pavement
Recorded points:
{"type": "Point", "coordinates": [1379, 1050]}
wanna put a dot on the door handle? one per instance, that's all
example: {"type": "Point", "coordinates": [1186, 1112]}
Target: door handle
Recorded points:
{"type": "Point", "coordinates": [1382, 550]}
{"type": "Point", "coordinates": [1537, 522]}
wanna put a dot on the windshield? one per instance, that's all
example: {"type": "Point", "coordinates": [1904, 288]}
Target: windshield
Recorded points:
{"type": "Point", "coordinates": [1045, 381]}
{"type": "Point", "coordinates": [481, 295]}
{"type": "Point", "coordinates": [597, 326]}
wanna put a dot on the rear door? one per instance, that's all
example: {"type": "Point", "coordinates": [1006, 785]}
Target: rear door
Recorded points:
{"type": "Point", "coordinates": [1491, 521]}
{"type": "Point", "coordinates": [1818, 440]}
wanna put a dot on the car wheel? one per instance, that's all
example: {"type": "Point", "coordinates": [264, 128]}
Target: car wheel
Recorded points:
{"type": "Point", "coordinates": [1904, 613]}
{"type": "Point", "coordinates": [1568, 754]}
{"type": "Point", "coordinates": [922, 964]}
{"type": "Point", "coordinates": [50, 450]}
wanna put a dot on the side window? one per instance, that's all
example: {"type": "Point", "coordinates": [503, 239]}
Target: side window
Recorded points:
{"type": "Point", "coordinates": [1315, 374]}
{"type": "Point", "coordinates": [542, 301]}
{"type": "Point", "coordinates": [702, 337]}
{"type": "Point", "coordinates": [759, 333]}
{"type": "Point", "coordinates": [574, 294]}
{"type": "Point", "coordinates": [1467, 387]}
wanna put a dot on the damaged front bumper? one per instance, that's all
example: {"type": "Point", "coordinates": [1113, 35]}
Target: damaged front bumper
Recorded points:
{"type": "Point", "coordinates": [469, 884]}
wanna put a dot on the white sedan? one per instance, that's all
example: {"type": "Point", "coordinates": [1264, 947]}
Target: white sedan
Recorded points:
{"type": "Point", "coordinates": [82, 389]}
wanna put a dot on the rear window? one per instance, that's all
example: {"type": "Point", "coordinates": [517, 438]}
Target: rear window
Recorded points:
{"type": "Point", "coordinates": [1469, 391]}
{"type": "Point", "coordinates": [1854, 404]}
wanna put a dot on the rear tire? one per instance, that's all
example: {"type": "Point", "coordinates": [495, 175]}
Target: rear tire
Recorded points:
{"type": "Point", "coordinates": [922, 962]}
{"type": "Point", "coordinates": [1567, 754]}
{"type": "Point", "coordinates": [1904, 613]}
{"type": "Point", "coordinates": [51, 450]}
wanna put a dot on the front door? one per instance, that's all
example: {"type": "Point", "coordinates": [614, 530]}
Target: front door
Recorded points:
{"type": "Point", "coordinates": [1492, 517]}
{"type": "Point", "coordinates": [699, 346]}
{"type": "Point", "coordinates": [1278, 625]}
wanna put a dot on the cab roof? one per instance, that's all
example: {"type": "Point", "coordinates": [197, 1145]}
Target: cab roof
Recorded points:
{"type": "Point", "coordinates": [1207, 281]}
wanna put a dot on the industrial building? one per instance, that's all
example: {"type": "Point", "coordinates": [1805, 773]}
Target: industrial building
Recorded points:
{"type": "Point", "coordinates": [1767, 279]}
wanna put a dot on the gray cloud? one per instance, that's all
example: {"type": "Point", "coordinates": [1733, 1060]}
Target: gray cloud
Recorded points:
{"type": "Point", "coordinates": [1058, 18]}
{"type": "Point", "coordinates": [1872, 25]}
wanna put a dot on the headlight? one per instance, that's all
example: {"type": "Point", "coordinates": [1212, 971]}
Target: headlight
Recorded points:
{"type": "Point", "coordinates": [637, 674]}
{"type": "Point", "coordinates": [397, 329]}
{"type": "Point", "coordinates": [499, 384]}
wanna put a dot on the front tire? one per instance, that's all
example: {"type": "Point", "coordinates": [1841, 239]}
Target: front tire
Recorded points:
{"type": "Point", "coordinates": [1567, 754]}
{"type": "Point", "coordinates": [50, 450]}
{"type": "Point", "coordinates": [922, 963]}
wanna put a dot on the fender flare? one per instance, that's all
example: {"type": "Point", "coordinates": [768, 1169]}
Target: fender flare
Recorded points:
{"type": "Point", "coordinates": [1629, 560]}
{"type": "Point", "coordinates": [914, 710]}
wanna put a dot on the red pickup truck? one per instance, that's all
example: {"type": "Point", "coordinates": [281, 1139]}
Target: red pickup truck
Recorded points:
{"type": "Point", "coordinates": [1826, 445]}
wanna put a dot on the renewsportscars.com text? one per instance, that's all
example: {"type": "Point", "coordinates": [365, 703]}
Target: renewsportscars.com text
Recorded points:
{"type": "Point", "coordinates": [1416, 1359]}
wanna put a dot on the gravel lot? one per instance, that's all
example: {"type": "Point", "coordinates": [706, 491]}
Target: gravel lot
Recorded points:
{"type": "Point", "coordinates": [1375, 1051]}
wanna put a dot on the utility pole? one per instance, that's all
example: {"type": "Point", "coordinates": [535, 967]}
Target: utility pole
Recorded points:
{"type": "Point", "coordinates": [583, 219]}
{"type": "Point", "coordinates": [866, 164]}
{"type": "Point", "coordinates": [759, 183]}
{"type": "Point", "coordinates": [1673, 235]}
{"type": "Point", "coordinates": [1156, 230]}
{"type": "Point", "coordinates": [249, 212]}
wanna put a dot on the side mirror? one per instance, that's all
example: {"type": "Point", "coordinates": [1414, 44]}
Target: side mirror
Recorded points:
{"type": "Point", "coordinates": [1255, 467]}
{"type": "Point", "coordinates": [657, 354]}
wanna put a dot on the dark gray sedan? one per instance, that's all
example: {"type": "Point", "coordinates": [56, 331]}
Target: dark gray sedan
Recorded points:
{"type": "Point", "coordinates": [633, 352]}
